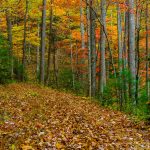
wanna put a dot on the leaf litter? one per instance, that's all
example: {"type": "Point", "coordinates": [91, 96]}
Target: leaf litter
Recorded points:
{"type": "Point", "coordinates": [34, 117]}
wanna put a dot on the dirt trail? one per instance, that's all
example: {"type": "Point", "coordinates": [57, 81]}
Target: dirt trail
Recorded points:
{"type": "Point", "coordinates": [36, 118]}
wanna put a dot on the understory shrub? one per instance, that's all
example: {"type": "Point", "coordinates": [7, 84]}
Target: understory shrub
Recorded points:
{"type": "Point", "coordinates": [6, 64]}
{"type": "Point", "coordinates": [110, 99]}
{"type": "Point", "coordinates": [66, 82]}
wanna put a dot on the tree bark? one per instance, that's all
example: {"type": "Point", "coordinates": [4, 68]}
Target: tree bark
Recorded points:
{"type": "Point", "coordinates": [120, 54]}
{"type": "Point", "coordinates": [55, 63]}
{"type": "Point", "coordinates": [125, 53]}
{"type": "Point", "coordinates": [147, 52]}
{"type": "Point", "coordinates": [137, 52]}
{"type": "Point", "coordinates": [50, 43]}
{"type": "Point", "coordinates": [132, 49]}
{"type": "Point", "coordinates": [24, 40]}
{"type": "Point", "coordinates": [43, 36]}
{"type": "Point", "coordinates": [72, 65]}
{"type": "Point", "coordinates": [102, 48]}
{"type": "Point", "coordinates": [119, 28]}
{"type": "Point", "coordinates": [93, 50]}
{"type": "Point", "coordinates": [89, 49]}
{"type": "Point", "coordinates": [71, 53]}
{"type": "Point", "coordinates": [82, 26]}
{"type": "Point", "coordinates": [38, 53]}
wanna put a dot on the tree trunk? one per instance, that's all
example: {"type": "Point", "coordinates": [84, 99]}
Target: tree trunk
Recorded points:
{"type": "Point", "coordinates": [43, 36]}
{"type": "Point", "coordinates": [38, 52]}
{"type": "Point", "coordinates": [24, 40]}
{"type": "Point", "coordinates": [102, 48]}
{"type": "Point", "coordinates": [125, 53]}
{"type": "Point", "coordinates": [82, 26]}
{"type": "Point", "coordinates": [89, 49]}
{"type": "Point", "coordinates": [71, 53]}
{"type": "Point", "coordinates": [82, 40]}
{"type": "Point", "coordinates": [72, 65]}
{"type": "Point", "coordinates": [137, 61]}
{"type": "Point", "coordinates": [93, 50]}
{"type": "Point", "coordinates": [29, 49]}
{"type": "Point", "coordinates": [120, 54]}
{"type": "Point", "coordinates": [147, 52]}
{"type": "Point", "coordinates": [50, 44]}
{"type": "Point", "coordinates": [132, 50]}
{"type": "Point", "coordinates": [55, 63]}
{"type": "Point", "coordinates": [77, 62]}
{"type": "Point", "coordinates": [119, 28]}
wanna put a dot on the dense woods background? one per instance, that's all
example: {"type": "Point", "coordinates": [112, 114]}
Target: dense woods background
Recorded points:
{"type": "Point", "coordinates": [96, 48]}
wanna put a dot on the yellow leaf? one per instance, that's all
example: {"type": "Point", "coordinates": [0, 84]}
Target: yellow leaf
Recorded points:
{"type": "Point", "coordinates": [13, 147]}
{"type": "Point", "coordinates": [27, 147]}
{"type": "Point", "coordinates": [59, 145]}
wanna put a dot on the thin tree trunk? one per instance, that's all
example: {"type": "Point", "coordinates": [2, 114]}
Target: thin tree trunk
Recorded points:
{"type": "Point", "coordinates": [120, 53]}
{"type": "Point", "coordinates": [147, 52]}
{"type": "Point", "coordinates": [125, 53]}
{"type": "Point", "coordinates": [24, 40]}
{"type": "Point", "coordinates": [102, 48]}
{"type": "Point", "coordinates": [55, 63]}
{"type": "Point", "coordinates": [29, 53]}
{"type": "Point", "coordinates": [29, 49]}
{"type": "Point", "coordinates": [43, 36]}
{"type": "Point", "coordinates": [72, 66]}
{"type": "Point", "coordinates": [82, 26]}
{"type": "Point", "coordinates": [71, 55]}
{"type": "Point", "coordinates": [82, 40]}
{"type": "Point", "coordinates": [77, 62]}
{"type": "Point", "coordinates": [119, 28]}
{"type": "Point", "coordinates": [89, 49]}
{"type": "Point", "coordinates": [138, 22]}
{"type": "Point", "coordinates": [50, 44]}
{"type": "Point", "coordinates": [38, 53]}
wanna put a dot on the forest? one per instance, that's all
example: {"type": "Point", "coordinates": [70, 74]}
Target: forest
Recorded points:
{"type": "Point", "coordinates": [74, 74]}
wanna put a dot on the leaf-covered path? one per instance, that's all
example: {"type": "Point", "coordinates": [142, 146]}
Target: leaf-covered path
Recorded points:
{"type": "Point", "coordinates": [35, 118]}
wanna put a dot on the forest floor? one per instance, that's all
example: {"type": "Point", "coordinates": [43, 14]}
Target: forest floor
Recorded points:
{"type": "Point", "coordinates": [34, 117]}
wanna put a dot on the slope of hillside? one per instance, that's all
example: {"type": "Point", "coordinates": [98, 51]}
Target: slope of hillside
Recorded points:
{"type": "Point", "coordinates": [33, 117]}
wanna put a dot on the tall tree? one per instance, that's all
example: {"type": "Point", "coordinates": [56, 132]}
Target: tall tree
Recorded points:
{"type": "Point", "coordinates": [125, 50]}
{"type": "Point", "coordinates": [120, 52]}
{"type": "Point", "coordinates": [132, 49]}
{"type": "Point", "coordinates": [38, 51]}
{"type": "Point", "coordinates": [24, 39]}
{"type": "Point", "coordinates": [82, 37]}
{"type": "Point", "coordinates": [93, 48]}
{"type": "Point", "coordinates": [43, 36]}
{"type": "Point", "coordinates": [102, 47]}
{"type": "Point", "coordinates": [82, 25]}
{"type": "Point", "coordinates": [71, 59]}
{"type": "Point", "coordinates": [55, 63]}
{"type": "Point", "coordinates": [147, 52]}
{"type": "Point", "coordinates": [50, 43]}
{"type": "Point", "coordinates": [119, 28]}
{"type": "Point", "coordinates": [137, 52]}
{"type": "Point", "coordinates": [71, 51]}
{"type": "Point", "coordinates": [89, 48]}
